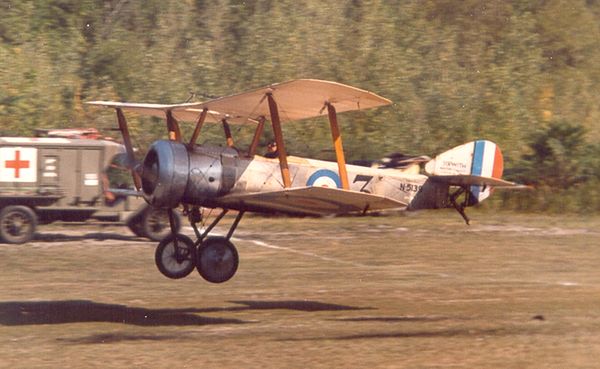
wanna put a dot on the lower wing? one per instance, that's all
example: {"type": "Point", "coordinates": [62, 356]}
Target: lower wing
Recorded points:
{"type": "Point", "coordinates": [311, 201]}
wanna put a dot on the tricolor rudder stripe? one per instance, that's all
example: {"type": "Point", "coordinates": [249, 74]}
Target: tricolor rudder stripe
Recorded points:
{"type": "Point", "coordinates": [487, 160]}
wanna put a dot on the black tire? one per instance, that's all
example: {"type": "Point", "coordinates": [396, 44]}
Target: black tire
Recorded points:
{"type": "Point", "coordinates": [137, 229]}
{"type": "Point", "coordinates": [155, 223]}
{"type": "Point", "coordinates": [134, 223]}
{"type": "Point", "coordinates": [169, 264]}
{"type": "Point", "coordinates": [17, 224]}
{"type": "Point", "coordinates": [217, 259]}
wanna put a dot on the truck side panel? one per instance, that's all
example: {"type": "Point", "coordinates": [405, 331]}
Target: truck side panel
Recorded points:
{"type": "Point", "coordinates": [90, 183]}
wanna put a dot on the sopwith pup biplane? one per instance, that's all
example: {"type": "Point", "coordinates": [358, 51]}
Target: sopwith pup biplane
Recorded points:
{"type": "Point", "coordinates": [182, 173]}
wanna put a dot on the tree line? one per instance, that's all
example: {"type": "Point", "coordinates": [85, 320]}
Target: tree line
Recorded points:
{"type": "Point", "coordinates": [520, 73]}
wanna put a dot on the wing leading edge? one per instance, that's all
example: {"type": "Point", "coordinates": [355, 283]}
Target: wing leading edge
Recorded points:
{"type": "Point", "coordinates": [184, 112]}
{"type": "Point", "coordinates": [311, 201]}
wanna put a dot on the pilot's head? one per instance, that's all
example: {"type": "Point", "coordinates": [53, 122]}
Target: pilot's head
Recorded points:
{"type": "Point", "coordinates": [272, 147]}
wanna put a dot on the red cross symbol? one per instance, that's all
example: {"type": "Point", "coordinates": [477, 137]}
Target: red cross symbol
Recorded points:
{"type": "Point", "coordinates": [17, 164]}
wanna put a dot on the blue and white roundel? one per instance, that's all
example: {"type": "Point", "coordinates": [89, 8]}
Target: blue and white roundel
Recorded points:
{"type": "Point", "coordinates": [324, 178]}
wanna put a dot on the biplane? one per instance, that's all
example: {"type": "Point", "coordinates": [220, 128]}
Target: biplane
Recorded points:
{"type": "Point", "coordinates": [181, 173]}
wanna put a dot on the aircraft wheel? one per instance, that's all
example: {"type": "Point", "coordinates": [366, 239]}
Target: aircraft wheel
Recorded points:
{"type": "Point", "coordinates": [17, 224]}
{"type": "Point", "coordinates": [217, 259]}
{"type": "Point", "coordinates": [175, 263]}
{"type": "Point", "coordinates": [155, 224]}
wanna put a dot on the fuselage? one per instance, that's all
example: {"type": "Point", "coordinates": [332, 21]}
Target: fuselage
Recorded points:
{"type": "Point", "coordinates": [204, 175]}
{"type": "Point", "coordinates": [263, 174]}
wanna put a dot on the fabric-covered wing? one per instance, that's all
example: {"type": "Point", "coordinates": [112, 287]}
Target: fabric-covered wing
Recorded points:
{"type": "Point", "coordinates": [183, 112]}
{"type": "Point", "coordinates": [296, 100]}
{"type": "Point", "coordinates": [311, 201]}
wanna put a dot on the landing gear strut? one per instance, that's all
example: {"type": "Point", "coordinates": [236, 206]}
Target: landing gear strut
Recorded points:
{"type": "Point", "coordinates": [215, 258]}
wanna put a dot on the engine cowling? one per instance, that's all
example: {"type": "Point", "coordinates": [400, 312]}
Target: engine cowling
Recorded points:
{"type": "Point", "coordinates": [172, 174]}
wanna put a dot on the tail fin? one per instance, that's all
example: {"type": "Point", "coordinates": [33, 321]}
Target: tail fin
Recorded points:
{"type": "Point", "coordinates": [476, 159]}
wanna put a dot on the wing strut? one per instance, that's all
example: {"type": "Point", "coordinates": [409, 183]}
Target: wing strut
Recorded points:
{"type": "Point", "coordinates": [257, 134]}
{"type": "Point", "coordinates": [137, 181]}
{"type": "Point", "coordinates": [173, 127]}
{"type": "Point", "coordinates": [228, 136]}
{"type": "Point", "coordinates": [283, 164]}
{"type": "Point", "coordinates": [199, 124]}
{"type": "Point", "coordinates": [337, 144]}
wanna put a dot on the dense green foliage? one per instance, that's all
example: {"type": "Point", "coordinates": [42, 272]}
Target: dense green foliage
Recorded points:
{"type": "Point", "coordinates": [508, 71]}
{"type": "Point", "coordinates": [564, 169]}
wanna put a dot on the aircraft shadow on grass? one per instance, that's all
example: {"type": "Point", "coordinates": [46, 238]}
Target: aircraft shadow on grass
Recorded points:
{"type": "Point", "coordinates": [18, 313]}
{"type": "Point", "coordinates": [433, 333]}
{"type": "Point", "coordinates": [393, 331]}
{"type": "Point", "coordinates": [22, 313]}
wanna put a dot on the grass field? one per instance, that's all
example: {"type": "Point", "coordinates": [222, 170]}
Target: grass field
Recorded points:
{"type": "Point", "coordinates": [411, 291]}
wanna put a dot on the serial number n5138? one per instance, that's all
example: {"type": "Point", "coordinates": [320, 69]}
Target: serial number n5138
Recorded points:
{"type": "Point", "coordinates": [409, 187]}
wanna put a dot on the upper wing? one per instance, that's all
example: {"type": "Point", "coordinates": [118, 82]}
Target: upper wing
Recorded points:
{"type": "Point", "coordinates": [184, 112]}
{"type": "Point", "coordinates": [297, 99]}
{"type": "Point", "coordinates": [311, 201]}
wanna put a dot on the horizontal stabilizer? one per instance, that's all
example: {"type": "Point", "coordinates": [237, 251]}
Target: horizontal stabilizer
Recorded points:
{"type": "Point", "coordinates": [311, 201]}
{"type": "Point", "coordinates": [471, 180]}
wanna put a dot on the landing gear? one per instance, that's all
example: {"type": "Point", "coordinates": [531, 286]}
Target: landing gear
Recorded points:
{"type": "Point", "coordinates": [215, 258]}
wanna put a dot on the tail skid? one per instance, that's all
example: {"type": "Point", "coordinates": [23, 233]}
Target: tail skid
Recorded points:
{"type": "Point", "coordinates": [460, 207]}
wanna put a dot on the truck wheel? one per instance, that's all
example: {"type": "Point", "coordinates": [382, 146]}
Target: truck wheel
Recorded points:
{"type": "Point", "coordinates": [135, 223]}
{"type": "Point", "coordinates": [17, 224]}
{"type": "Point", "coordinates": [137, 229]}
{"type": "Point", "coordinates": [155, 224]}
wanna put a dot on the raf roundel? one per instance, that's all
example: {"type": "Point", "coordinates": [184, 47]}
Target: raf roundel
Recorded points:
{"type": "Point", "coordinates": [324, 178]}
